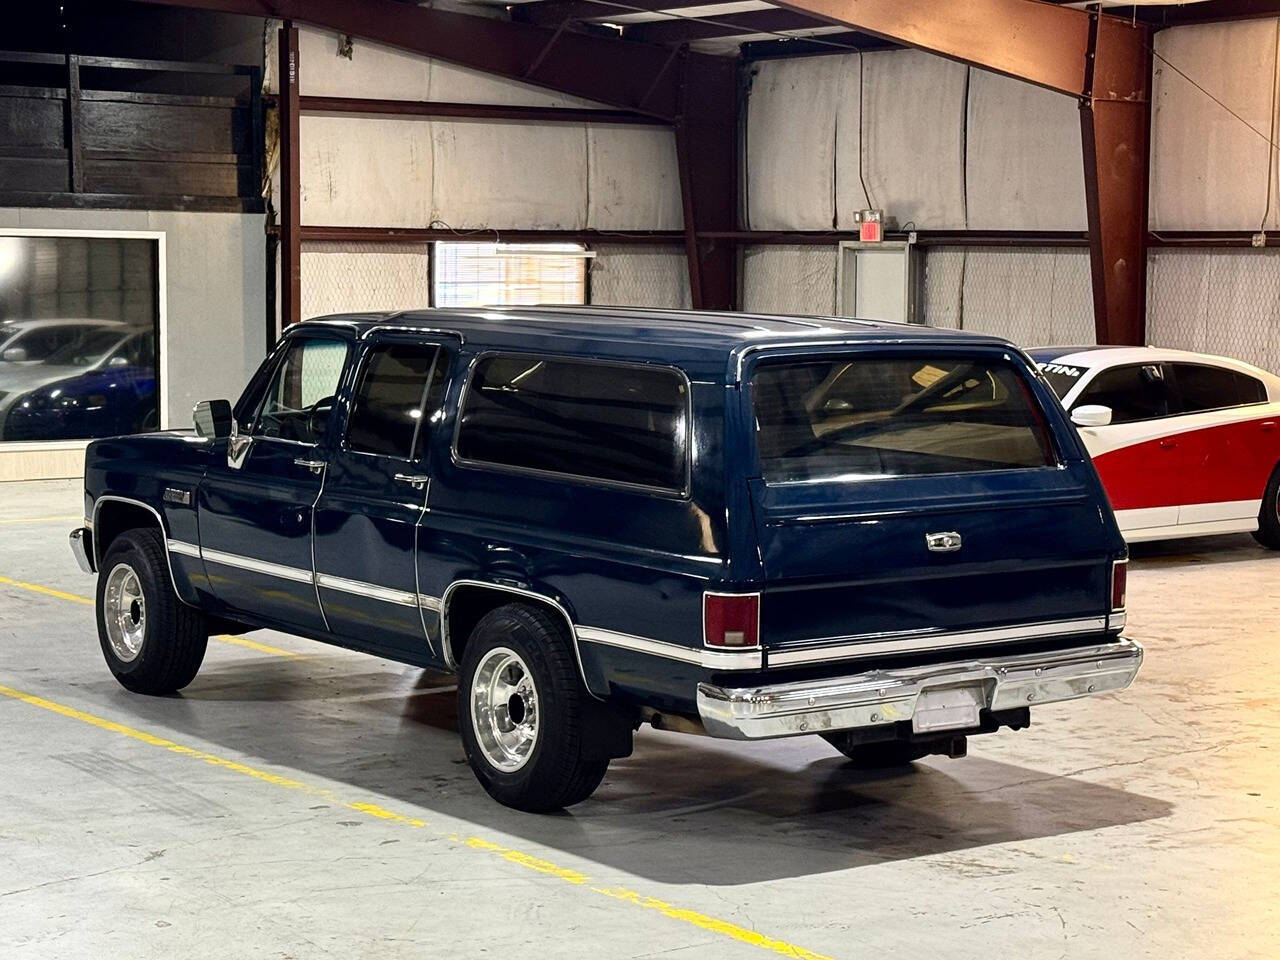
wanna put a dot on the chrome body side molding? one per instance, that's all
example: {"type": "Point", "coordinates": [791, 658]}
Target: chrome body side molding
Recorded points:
{"type": "Point", "coordinates": [749, 659]}
{"type": "Point", "coordinates": [908, 641]}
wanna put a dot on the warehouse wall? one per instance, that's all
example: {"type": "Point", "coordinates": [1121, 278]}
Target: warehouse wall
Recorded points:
{"type": "Point", "coordinates": [391, 171]}
{"type": "Point", "coordinates": [215, 305]}
{"type": "Point", "coordinates": [1210, 171]}
{"type": "Point", "coordinates": [938, 146]}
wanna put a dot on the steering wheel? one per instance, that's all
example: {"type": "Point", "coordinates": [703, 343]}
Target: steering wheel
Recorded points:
{"type": "Point", "coordinates": [318, 416]}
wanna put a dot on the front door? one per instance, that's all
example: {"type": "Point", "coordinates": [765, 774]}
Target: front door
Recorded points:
{"type": "Point", "coordinates": [1140, 463]}
{"type": "Point", "coordinates": [374, 497]}
{"type": "Point", "coordinates": [256, 501]}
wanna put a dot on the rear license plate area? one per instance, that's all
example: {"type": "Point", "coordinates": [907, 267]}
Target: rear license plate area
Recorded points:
{"type": "Point", "coordinates": [948, 708]}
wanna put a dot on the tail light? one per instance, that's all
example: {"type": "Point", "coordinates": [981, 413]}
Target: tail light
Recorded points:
{"type": "Point", "coordinates": [1119, 582]}
{"type": "Point", "coordinates": [731, 619]}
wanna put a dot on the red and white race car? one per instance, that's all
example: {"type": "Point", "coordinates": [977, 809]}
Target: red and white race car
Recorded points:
{"type": "Point", "coordinates": [1186, 444]}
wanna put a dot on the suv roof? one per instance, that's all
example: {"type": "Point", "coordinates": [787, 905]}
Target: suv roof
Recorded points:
{"type": "Point", "coordinates": [706, 333]}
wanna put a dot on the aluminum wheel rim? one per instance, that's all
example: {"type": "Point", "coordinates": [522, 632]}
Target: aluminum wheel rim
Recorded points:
{"type": "Point", "coordinates": [504, 709]}
{"type": "Point", "coordinates": [124, 609]}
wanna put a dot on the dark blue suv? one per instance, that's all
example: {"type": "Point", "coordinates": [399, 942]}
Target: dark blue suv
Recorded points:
{"type": "Point", "coordinates": [748, 526]}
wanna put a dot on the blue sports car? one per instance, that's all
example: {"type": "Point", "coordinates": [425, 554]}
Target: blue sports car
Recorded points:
{"type": "Point", "coordinates": [102, 385]}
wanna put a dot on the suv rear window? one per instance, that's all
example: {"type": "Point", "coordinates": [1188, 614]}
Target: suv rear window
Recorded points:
{"type": "Point", "coordinates": [899, 416]}
{"type": "Point", "coordinates": [612, 422]}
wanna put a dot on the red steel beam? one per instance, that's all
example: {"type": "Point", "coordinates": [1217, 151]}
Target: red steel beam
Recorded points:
{"type": "Point", "coordinates": [707, 154]}
{"type": "Point", "coordinates": [473, 111]}
{"type": "Point", "coordinates": [290, 180]}
{"type": "Point", "coordinates": [632, 76]}
{"type": "Point", "coordinates": [1116, 136]}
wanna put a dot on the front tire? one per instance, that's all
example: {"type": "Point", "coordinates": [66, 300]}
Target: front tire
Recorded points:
{"type": "Point", "coordinates": [521, 710]}
{"type": "Point", "coordinates": [152, 641]}
{"type": "Point", "coordinates": [1268, 532]}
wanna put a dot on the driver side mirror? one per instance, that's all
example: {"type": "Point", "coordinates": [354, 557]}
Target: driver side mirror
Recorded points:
{"type": "Point", "coordinates": [14, 354]}
{"type": "Point", "coordinates": [213, 419]}
{"type": "Point", "coordinates": [837, 405]}
{"type": "Point", "coordinates": [1091, 415]}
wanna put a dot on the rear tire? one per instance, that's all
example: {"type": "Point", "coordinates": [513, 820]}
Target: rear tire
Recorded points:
{"type": "Point", "coordinates": [877, 756]}
{"type": "Point", "coordinates": [152, 641]}
{"type": "Point", "coordinates": [521, 708]}
{"type": "Point", "coordinates": [1268, 532]}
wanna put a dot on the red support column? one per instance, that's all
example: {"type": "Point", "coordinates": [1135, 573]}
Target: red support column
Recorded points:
{"type": "Point", "coordinates": [290, 177]}
{"type": "Point", "coordinates": [1115, 123]}
{"type": "Point", "coordinates": [707, 151]}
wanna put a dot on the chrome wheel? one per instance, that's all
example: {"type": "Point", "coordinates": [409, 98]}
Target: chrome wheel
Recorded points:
{"type": "Point", "coordinates": [124, 609]}
{"type": "Point", "coordinates": [504, 709]}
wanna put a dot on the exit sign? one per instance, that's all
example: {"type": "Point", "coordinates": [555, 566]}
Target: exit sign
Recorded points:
{"type": "Point", "coordinates": [870, 226]}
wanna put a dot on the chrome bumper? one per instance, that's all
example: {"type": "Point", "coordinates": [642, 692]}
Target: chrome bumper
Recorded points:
{"type": "Point", "coordinates": [879, 697]}
{"type": "Point", "coordinates": [81, 538]}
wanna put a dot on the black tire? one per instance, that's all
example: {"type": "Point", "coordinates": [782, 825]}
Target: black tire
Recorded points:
{"type": "Point", "coordinates": [1268, 532]}
{"type": "Point", "coordinates": [557, 771]}
{"type": "Point", "coordinates": [173, 636]}
{"type": "Point", "coordinates": [877, 756]}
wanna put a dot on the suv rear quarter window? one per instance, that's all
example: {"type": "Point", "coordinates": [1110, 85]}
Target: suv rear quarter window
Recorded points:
{"type": "Point", "coordinates": [600, 421]}
{"type": "Point", "coordinates": [895, 416]}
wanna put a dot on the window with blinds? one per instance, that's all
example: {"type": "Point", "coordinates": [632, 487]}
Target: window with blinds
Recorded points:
{"type": "Point", "coordinates": [497, 274]}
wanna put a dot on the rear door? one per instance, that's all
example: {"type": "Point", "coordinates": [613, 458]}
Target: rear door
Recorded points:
{"type": "Point", "coordinates": [916, 499]}
{"type": "Point", "coordinates": [374, 496]}
{"type": "Point", "coordinates": [1229, 448]}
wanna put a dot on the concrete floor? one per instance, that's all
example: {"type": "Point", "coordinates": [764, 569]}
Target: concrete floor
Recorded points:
{"type": "Point", "coordinates": [301, 801]}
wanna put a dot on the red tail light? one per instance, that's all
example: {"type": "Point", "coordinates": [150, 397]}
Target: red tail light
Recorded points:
{"type": "Point", "coordinates": [1119, 581]}
{"type": "Point", "coordinates": [731, 619]}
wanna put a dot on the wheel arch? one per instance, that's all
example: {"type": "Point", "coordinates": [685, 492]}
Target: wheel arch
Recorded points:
{"type": "Point", "coordinates": [465, 601]}
{"type": "Point", "coordinates": [114, 515]}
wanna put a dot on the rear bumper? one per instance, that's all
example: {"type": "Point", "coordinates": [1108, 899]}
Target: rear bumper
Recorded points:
{"type": "Point", "coordinates": [81, 539]}
{"type": "Point", "coordinates": [879, 697]}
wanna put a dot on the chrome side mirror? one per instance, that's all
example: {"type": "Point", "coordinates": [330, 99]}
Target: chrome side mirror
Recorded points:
{"type": "Point", "coordinates": [14, 355]}
{"type": "Point", "coordinates": [213, 419]}
{"type": "Point", "coordinates": [1091, 415]}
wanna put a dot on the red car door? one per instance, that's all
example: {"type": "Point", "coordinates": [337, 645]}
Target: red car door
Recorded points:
{"type": "Point", "coordinates": [1230, 438]}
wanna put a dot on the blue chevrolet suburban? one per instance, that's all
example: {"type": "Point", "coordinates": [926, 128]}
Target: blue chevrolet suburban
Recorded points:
{"type": "Point", "coordinates": [736, 525]}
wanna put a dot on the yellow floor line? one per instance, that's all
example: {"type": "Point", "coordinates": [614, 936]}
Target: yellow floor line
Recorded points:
{"type": "Point", "coordinates": [76, 598]}
{"type": "Point", "coordinates": [66, 519]}
{"type": "Point", "coordinates": [517, 857]}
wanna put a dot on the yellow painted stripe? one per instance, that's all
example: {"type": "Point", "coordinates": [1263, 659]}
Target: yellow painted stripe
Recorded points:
{"type": "Point", "coordinates": [255, 645]}
{"type": "Point", "coordinates": [223, 638]}
{"type": "Point", "coordinates": [47, 591]}
{"type": "Point", "coordinates": [66, 519]}
{"type": "Point", "coordinates": [529, 862]}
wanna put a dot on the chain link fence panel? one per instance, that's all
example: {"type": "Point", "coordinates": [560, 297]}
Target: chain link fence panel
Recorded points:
{"type": "Point", "coordinates": [1034, 297]}
{"type": "Point", "coordinates": [797, 278]}
{"type": "Point", "coordinates": [1224, 302]}
{"type": "Point", "coordinates": [347, 277]}
{"type": "Point", "coordinates": [625, 275]}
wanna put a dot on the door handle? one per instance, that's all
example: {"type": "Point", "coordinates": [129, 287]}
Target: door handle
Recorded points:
{"type": "Point", "coordinates": [315, 466]}
{"type": "Point", "coordinates": [1168, 444]}
{"type": "Point", "coordinates": [1269, 426]}
{"type": "Point", "coordinates": [415, 480]}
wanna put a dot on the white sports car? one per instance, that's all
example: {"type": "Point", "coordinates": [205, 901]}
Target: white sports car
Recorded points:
{"type": "Point", "coordinates": [1186, 444]}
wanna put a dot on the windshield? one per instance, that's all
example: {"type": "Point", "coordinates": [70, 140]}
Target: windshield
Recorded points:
{"type": "Point", "coordinates": [898, 416]}
{"type": "Point", "coordinates": [1061, 376]}
{"type": "Point", "coordinates": [86, 350]}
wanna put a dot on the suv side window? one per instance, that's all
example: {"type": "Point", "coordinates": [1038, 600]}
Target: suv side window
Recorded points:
{"type": "Point", "coordinates": [392, 399]}
{"type": "Point", "coordinates": [1134, 392]}
{"type": "Point", "coordinates": [614, 422]}
{"type": "Point", "coordinates": [1202, 387]}
{"type": "Point", "coordinates": [300, 397]}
